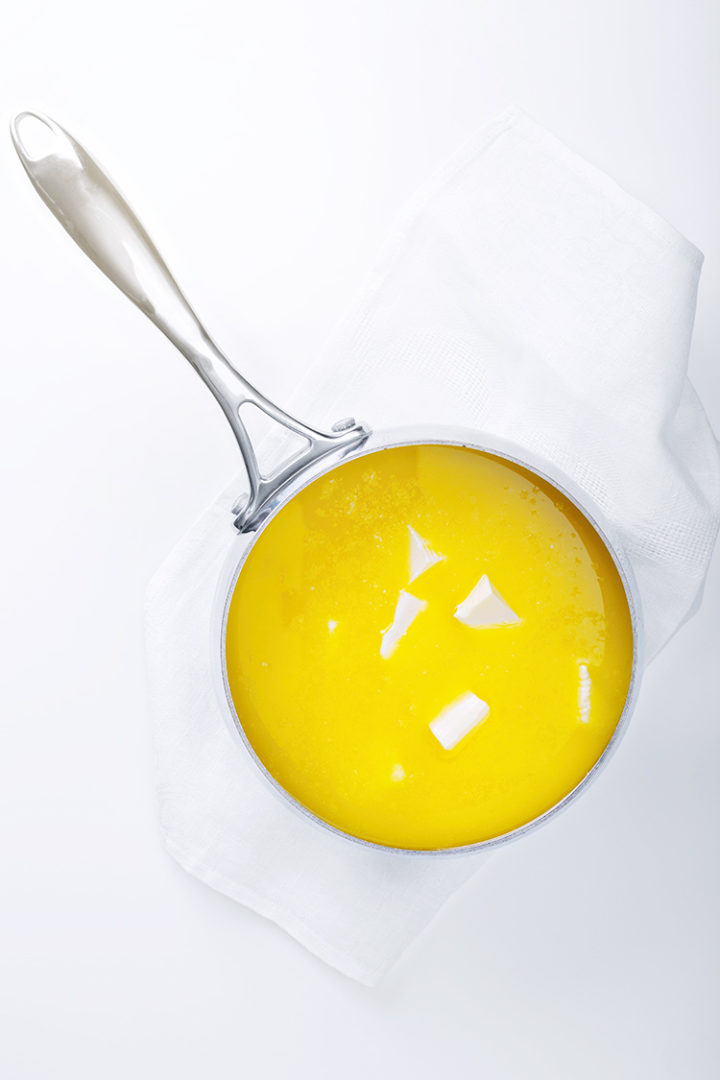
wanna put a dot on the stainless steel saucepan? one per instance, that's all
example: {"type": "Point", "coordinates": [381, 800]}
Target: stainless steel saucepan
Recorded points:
{"type": "Point", "coordinates": [96, 216]}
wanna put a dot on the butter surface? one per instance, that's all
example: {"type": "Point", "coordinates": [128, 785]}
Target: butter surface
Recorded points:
{"type": "Point", "coordinates": [346, 730]}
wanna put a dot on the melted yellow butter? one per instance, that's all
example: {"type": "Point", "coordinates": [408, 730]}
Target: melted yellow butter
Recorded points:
{"type": "Point", "coordinates": [345, 731]}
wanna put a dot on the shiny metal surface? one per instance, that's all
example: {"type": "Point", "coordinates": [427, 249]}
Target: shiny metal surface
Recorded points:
{"type": "Point", "coordinates": [96, 216]}
{"type": "Point", "coordinates": [89, 206]}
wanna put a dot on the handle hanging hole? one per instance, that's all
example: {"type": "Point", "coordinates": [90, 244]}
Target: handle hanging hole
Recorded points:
{"type": "Point", "coordinates": [34, 136]}
{"type": "Point", "coordinates": [282, 445]}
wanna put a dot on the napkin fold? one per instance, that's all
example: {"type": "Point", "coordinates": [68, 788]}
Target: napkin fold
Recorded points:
{"type": "Point", "coordinates": [525, 295]}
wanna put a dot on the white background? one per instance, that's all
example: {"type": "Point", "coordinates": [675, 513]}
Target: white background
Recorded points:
{"type": "Point", "coordinates": [268, 146]}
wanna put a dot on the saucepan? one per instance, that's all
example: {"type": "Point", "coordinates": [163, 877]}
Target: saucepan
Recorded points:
{"type": "Point", "coordinates": [97, 217]}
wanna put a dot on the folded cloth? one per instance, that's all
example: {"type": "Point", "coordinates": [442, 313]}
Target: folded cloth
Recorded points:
{"type": "Point", "coordinates": [524, 295]}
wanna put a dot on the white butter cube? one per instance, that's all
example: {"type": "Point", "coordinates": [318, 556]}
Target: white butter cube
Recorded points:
{"type": "Point", "coordinates": [422, 556]}
{"type": "Point", "coordinates": [584, 688]}
{"type": "Point", "coordinates": [457, 720]}
{"type": "Point", "coordinates": [407, 609]}
{"type": "Point", "coordinates": [484, 606]}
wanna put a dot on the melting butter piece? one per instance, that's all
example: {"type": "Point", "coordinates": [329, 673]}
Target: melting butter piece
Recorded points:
{"type": "Point", "coordinates": [457, 720]}
{"type": "Point", "coordinates": [407, 609]}
{"type": "Point", "coordinates": [422, 556]}
{"type": "Point", "coordinates": [584, 693]}
{"type": "Point", "coordinates": [484, 606]}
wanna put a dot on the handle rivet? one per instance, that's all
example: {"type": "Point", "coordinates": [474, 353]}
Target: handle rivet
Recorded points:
{"type": "Point", "coordinates": [344, 425]}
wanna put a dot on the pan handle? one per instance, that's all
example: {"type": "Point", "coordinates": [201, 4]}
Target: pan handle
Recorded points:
{"type": "Point", "coordinates": [89, 206]}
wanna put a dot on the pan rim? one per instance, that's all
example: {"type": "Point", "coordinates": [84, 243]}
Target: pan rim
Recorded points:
{"type": "Point", "coordinates": [418, 435]}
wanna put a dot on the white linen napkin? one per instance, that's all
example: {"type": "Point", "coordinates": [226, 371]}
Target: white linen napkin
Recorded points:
{"type": "Point", "coordinates": [524, 295]}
